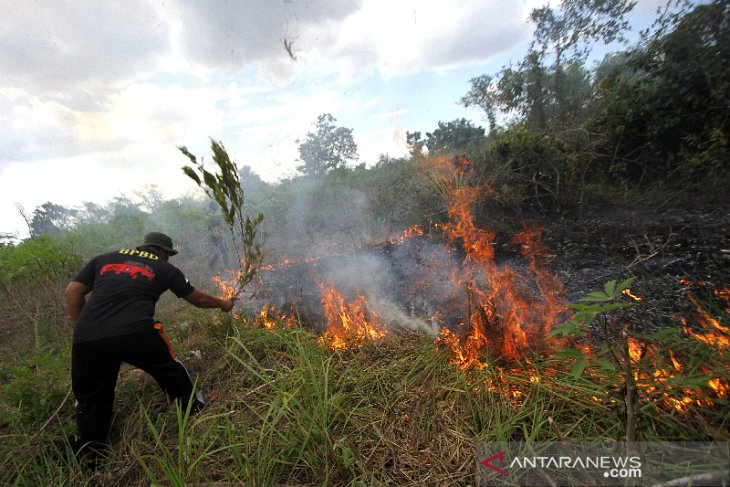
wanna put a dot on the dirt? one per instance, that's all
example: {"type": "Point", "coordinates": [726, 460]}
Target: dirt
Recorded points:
{"type": "Point", "coordinates": [669, 252]}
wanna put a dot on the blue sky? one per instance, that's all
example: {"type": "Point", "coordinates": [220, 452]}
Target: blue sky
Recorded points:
{"type": "Point", "coordinates": [95, 97]}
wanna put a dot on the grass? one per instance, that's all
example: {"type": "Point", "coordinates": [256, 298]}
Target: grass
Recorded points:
{"type": "Point", "coordinates": [285, 410]}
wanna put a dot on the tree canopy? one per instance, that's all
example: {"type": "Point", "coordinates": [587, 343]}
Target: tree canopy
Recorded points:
{"type": "Point", "coordinates": [326, 148]}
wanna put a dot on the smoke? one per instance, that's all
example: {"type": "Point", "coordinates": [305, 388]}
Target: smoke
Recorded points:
{"type": "Point", "coordinates": [324, 233]}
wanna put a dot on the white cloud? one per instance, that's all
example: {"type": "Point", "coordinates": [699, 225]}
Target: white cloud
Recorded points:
{"type": "Point", "coordinates": [56, 47]}
{"type": "Point", "coordinates": [410, 35]}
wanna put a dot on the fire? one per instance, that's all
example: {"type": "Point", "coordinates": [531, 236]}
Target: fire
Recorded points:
{"type": "Point", "coordinates": [462, 356]}
{"type": "Point", "coordinates": [348, 324]}
{"type": "Point", "coordinates": [713, 332]}
{"type": "Point", "coordinates": [675, 363]}
{"type": "Point", "coordinates": [269, 318]}
{"type": "Point", "coordinates": [508, 312]}
{"type": "Point", "coordinates": [227, 284]}
{"type": "Point", "coordinates": [408, 233]}
{"type": "Point", "coordinates": [636, 349]}
{"type": "Point", "coordinates": [721, 388]}
{"type": "Point", "coordinates": [630, 294]}
{"type": "Point", "coordinates": [656, 384]}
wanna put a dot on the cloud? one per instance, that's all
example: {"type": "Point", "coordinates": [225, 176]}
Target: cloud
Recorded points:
{"type": "Point", "coordinates": [232, 34]}
{"type": "Point", "coordinates": [139, 114]}
{"type": "Point", "coordinates": [55, 47]}
{"type": "Point", "coordinates": [351, 39]}
{"type": "Point", "coordinates": [411, 35]}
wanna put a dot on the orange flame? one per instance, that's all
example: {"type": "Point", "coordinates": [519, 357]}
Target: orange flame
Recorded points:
{"type": "Point", "coordinates": [636, 349]}
{"type": "Point", "coordinates": [657, 385]}
{"type": "Point", "coordinates": [633, 296]}
{"type": "Point", "coordinates": [269, 318]}
{"type": "Point", "coordinates": [721, 388]}
{"type": "Point", "coordinates": [408, 233]}
{"type": "Point", "coordinates": [503, 316]}
{"type": "Point", "coordinates": [227, 284]}
{"type": "Point", "coordinates": [348, 324]}
{"type": "Point", "coordinates": [713, 332]}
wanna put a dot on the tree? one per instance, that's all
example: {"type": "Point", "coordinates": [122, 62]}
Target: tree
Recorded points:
{"type": "Point", "coordinates": [250, 181]}
{"type": "Point", "coordinates": [50, 218]}
{"type": "Point", "coordinates": [326, 148]}
{"type": "Point", "coordinates": [456, 137]}
{"type": "Point", "coordinates": [664, 103]}
{"type": "Point", "coordinates": [551, 83]}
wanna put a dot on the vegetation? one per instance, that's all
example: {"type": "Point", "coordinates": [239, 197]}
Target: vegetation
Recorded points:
{"type": "Point", "coordinates": [565, 141]}
{"type": "Point", "coordinates": [287, 410]}
{"type": "Point", "coordinates": [327, 148]}
{"type": "Point", "coordinates": [224, 188]}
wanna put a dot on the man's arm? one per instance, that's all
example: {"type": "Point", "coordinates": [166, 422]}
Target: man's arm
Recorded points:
{"type": "Point", "coordinates": [75, 299]}
{"type": "Point", "coordinates": [201, 300]}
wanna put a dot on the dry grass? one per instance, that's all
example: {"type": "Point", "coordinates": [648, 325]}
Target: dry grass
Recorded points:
{"type": "Point", "coordinates": [286, 411]}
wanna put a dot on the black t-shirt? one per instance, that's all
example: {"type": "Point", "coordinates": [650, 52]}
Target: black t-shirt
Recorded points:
{"type": "Point", "coordinates": [125, 285]}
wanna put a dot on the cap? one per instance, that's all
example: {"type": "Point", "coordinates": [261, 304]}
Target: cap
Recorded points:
{"type": "Point", "coordinates": [160, 240]}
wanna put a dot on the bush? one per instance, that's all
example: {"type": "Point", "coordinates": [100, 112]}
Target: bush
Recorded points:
{"type": "Point", "coordinates": [33, 275]}
{"type": "Point", "coordinates": [33, 388]}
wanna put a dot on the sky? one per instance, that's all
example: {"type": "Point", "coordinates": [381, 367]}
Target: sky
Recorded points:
{"type": "Point", "coordinates": [95, 97]}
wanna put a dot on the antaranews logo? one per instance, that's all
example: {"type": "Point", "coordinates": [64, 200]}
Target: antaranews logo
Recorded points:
{"type": "Point", "coordinates": [612, 466]}
{"type": "Point", "coordinates": [600, 463]}
{"type": "Point", "coordinates": [488, 462]}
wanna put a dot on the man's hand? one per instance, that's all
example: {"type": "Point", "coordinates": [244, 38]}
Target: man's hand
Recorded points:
{"type": "Point", "coordinates": [227, 305]}
{"type": "Point", "coordinates": [202, 300]}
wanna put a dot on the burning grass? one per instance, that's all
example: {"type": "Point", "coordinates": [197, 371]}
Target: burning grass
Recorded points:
{"type": "Point", "coordinates": [285, 410]}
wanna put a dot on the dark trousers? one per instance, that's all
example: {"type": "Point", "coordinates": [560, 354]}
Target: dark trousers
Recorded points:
{"type": "Point", "coordinates": [95, 367]}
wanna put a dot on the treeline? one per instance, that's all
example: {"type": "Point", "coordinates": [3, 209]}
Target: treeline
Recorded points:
{"type": "Point", "coordinates": [653, 116]}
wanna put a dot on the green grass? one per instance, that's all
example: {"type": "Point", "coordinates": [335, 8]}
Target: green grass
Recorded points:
{"type": "Point", "coordinates": [286, 410]}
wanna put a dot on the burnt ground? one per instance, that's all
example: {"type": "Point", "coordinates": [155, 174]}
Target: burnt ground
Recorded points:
{"type": "Point", "coordinates": [661, 248]}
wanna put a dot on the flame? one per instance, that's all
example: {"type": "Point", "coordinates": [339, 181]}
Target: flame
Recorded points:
{"type": "Point", "coordinates": [464, 356]}
{"type": "Point", "coordinates": [227, 285]}
{"type": "Point", "coordinates": [636, 349]}
{"type": "Point", "coordinates": [656, 385]}
{"type": "Point", "coordinates": [633, 296]}
{"type": "Point", "coordinates": [721, 388]}
{"type": "Point", "coordinates": [269, 318]}
{"type": "Point", "coordinates": [408, 233]}
{"type": "Point", "coordinates": [348, 324]}
{"type": "Point", "coordinates": [713, 332]}
{"type": "Point", "coordinates": [675, 363]}
{"type": "Point", "coordinates": [504, 317]}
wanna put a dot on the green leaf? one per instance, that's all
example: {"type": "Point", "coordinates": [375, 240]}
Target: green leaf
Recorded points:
{"type": "Point", "coordinates": [567, 329]}
{"type": "Point", "coordinates": [210, 181]}
{"type": "Point", "coordinates": [610, 288]}
{"type": "Point", "coordinates": [597, 296]}
{"type": "Point", "coordinates": [190, 172]}
{"type": "Point", "coordinates": [578, 367]}
{"type": "Point", "coordinates": [605, 364]}
{"type": "Point", "coordinates": [665, 334]}
{"type": "Point", "coordinates": [625, 284]}
{"type": "Point", "coordinates": [566, 352]}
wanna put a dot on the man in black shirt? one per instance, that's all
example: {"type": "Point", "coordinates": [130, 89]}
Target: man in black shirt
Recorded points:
{"type": "Point", "coordinates": [117, 325]}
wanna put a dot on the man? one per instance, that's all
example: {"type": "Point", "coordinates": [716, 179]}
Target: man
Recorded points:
{"type": "Point", "coordinates": [117, 325]}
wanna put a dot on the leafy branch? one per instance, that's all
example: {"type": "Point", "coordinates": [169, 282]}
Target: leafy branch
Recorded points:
{"type": "Point", "coordinates": [225, 189]}
{"type": "Point", "coordinates": [593, 307]}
